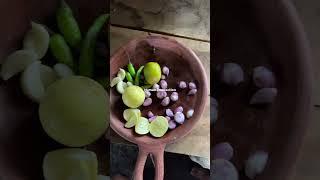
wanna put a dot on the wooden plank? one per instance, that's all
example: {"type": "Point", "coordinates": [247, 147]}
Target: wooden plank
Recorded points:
{"type": "Point", "coordinates": [197, 143]}
{"type": "Point", "coordinates": [307, 167]}
{"type": "Point", "coordinates": [189, 18]}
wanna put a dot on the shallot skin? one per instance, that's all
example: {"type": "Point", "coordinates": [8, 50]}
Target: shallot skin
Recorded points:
{"type": "Point", "coordinates": [256, 163]}
{"type": "Point", "coordinates": [232, 74]}
{"type": "Point", "coordinates": [264, 96]}
{"type": "Point", "coordinates": [223, 151]}
{"type": "Point", "coordinates": [263, 77]}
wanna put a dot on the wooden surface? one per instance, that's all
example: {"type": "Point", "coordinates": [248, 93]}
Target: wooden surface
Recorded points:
{"type": "Point", "coordinates": [180, 17]}
{"type": "Point", "coordinates": [307, 167]}
{"type": "Point", "coordinates": [197, 143]}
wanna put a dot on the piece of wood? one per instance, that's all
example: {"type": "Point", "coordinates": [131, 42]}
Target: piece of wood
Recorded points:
{"type": "Point", "coordinates": [197, 143]}
{"type": "Point", "coordinates": [180, 17]}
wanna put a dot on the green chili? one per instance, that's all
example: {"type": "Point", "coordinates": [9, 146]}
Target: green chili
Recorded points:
{"type": "Point", "coordinates": [60, 50]}
{"type": "Point", "coordinates": [137, 78]}
{"type": "Point", "coordinates": [68, 25]}
{"type": "Point", "coordinates": [129, 77]}
{"type": "Point", "coordinates": [131, 70]}
{"type": "Point", "coordinates": [86, 61]}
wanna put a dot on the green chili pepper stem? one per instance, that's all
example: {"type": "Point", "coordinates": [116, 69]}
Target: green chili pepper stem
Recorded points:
{"type": "Point", "coordinates": [137, 79]}
{"type": "Point", "coordinates": [129, 77]}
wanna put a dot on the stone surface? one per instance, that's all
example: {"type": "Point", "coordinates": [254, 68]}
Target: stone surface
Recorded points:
{"type": "Point", "coordinates": [179, 17]}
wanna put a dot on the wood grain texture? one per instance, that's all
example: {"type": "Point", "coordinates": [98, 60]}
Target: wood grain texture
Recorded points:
{"type": "Point", "coordinates": [189, 18]}
{"type": "Point", "coordinates": [197, 143]}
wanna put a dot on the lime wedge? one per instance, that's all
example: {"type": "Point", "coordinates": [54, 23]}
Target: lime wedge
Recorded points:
{"type": "Point", "coordinates": [159, 126]}
{"type": "Point", "coordinates": [131, 112]}
{"type": "Point", "coordinates": [47, 75]}
{"type": "Point", "coordinates": [121, 86]}
{"type": "Point", "coordinates": [142, 126]}
{"type": "Point", "coordinates": [17, 62]}
{"type": "Point", "coordinates": [121, 74]}
{"type": "Point", "coordinates": [69, 164]}
{"type": "Point", "coordinates": [115, 81]}
{"type": "Point", "coordinates": [63, 70]}
{"type": "Point", "coordinates": [31, 82]}
{"type": "Point", "coordinates": [37, 40]}
{"type": "Point", "coordinates": [132, 121]}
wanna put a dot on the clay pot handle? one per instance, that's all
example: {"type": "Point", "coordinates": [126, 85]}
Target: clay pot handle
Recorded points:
{"type": "Point", "coordinates": [158, 153]}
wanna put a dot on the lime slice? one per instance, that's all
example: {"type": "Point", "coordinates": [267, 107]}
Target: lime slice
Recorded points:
{"type": "Point", "coordinates": [131, 112]}
{"type": "Point", "coordinates": [115, 81]}
{"type": "Point", "coordinates": [121, 74]}
{"type": "Point", "coordinates": [17, 62]}
{"type": "Point", "coordinates": [31, 82]}
{"type": "Point", "coordinates": [129, 84]}
{"type": "Point", "coordinates": [47, 75]}
{"type": "Point", "coordinates": [63, 70]}
{"type": "Point", "coordinates": [132, 121]}
{"type": "Point", "coordinates": [121, 86]}
{"type": "Point", "coordinates": [159, 126]}
{"type": "Point", "coordinates": [37, 40]}
{"type": "Point", "coordinates": [142, 126]}
{"type": "Point", "coordinates": [70, 164]}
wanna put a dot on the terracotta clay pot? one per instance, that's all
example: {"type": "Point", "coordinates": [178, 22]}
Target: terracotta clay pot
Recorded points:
{"type": "Point", "coordinates": [23, 143]}
{"type": "Point", "coordinates": [184, 65]}
{"type": "Point", "coordinates": [253, 33]}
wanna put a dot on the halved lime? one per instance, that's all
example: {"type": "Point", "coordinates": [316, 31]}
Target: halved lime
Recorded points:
{"type": "Point", "coordinates": [121, 74]}
{"type": "Point", "coordinates": [17, 62]}
{"type": "Point", "coordinates": [31, 82]}
{"type": "Point", "coordinates": [131, 112]}
{"type": "Point", "coordinates": [115, 81]}
{"type": "Point", "coordinates": [142, 126]}
{"type": "Point", "coordinates": [70, 163]}
{"type": "Point", "coordinates": [47, 75]}
{"type": "Point", "coordinates": [37, 40]}
{"type": "Point", "coordinates": [121, 86]}
{"type": "Point", "coordinates": [132, 121]}
{"type": "Point", "coordinates": [159, 126]}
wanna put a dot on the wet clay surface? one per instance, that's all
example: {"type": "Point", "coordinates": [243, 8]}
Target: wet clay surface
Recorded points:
{"type": "Point", "coordinates": [272, 128]}
{"type": "Point", "coordinates": [23, 143]}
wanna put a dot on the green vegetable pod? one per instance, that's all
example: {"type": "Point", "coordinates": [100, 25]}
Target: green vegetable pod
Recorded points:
{"type": "Point", "coordinates": [68, 25]}
{"type": "Point", "coordinates": [137, 78]}
{"type": "Point", "coordinates": [129, 77]}
{"type": "Point", "coordinates": [60, 50]}
{"type": "Point", "coordinates": [86, 62]}
{"type": "Point", "coordinates": [131, 70]}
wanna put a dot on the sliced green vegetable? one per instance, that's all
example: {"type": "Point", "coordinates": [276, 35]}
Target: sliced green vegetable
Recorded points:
{"type": "Point", "coordinates": [60, 50]}
{"type": "Point", "coordinates": [68, 25]}
{"type": "Point", "coordinates": [129, 77]}
{"type": "Point", "coordinates": [137, 78]}
{"type": "Point", "coordinates": [86, 62]}
{"type": "Point", "coordinates": [115, 81]}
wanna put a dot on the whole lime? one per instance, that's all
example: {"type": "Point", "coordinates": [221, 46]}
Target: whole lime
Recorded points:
{"type": "Point", "coordinates": [152, 72]}
{"type": "Point", "coordinates": [74, 111]}
{"type": "Point", "coordinates": [133, 96]}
